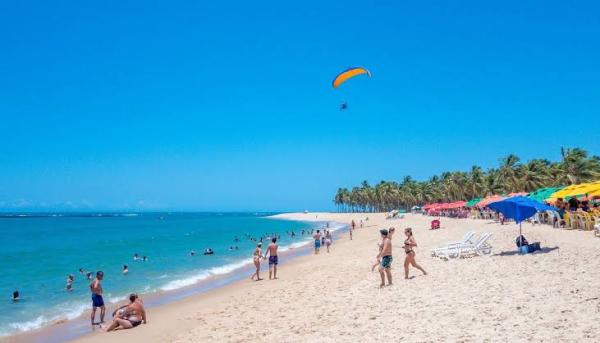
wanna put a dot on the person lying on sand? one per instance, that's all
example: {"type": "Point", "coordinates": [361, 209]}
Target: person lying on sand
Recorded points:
{"type": "Point", "coordinates": [130, 315]}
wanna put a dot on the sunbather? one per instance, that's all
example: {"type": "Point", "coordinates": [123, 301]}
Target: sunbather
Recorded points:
{"type": "Point", "coordinates": [129, 316]}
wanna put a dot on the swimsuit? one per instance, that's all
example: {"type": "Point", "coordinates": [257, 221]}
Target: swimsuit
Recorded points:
{"type": "Point", "coordinates": [406, 244]}
{"type": "Point", "coordinates": [386, 262]}
{"type": "Point", "coordinates": [317, 243]}
{"type": "Point", "coordinates": [273, 260]}
{"type": "Point", "coordinates": [135, 323]}
{"type": "Point", "coordinates": [97, 300]}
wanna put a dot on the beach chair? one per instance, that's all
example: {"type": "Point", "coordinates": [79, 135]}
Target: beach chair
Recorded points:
{"type": "Point", "coordinates": [465, 240]}
{"type": "Point", "coordinates": [461, 250]}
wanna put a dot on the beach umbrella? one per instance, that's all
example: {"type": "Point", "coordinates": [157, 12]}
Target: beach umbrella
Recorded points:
{"type": "Point", "coordinates": [543, 193]}
{"type": "Point", "coordinates": [490, 199]}
{"type": "Point", "coordinates": [575, 190]}
{"type": "Point", "coordinates": [472, 202]}
{"type": "Point", "coordinates": [519, 208]}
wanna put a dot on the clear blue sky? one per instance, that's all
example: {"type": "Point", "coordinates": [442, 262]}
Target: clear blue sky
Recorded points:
{"type": "Point", "coordinates": [229, 106]}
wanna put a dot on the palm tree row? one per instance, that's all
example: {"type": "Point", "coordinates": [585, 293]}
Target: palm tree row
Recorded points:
{"type": "Point", "coordinates": [576, 166]}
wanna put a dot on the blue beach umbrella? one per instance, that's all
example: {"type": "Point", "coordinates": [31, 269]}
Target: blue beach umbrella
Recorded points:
{"type": "Point", "coordinates": [519, 208]}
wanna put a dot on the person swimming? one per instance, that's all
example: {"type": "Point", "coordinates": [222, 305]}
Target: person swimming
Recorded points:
{"type": "Point", "coordinates": [70, 280]}
{"type": "Point", "coordinates": [88, 275]}
{"type": "Point", "coordinates": [16, 296]}
{"type": "Point", "coordinates": [208, 251]}
{"type": "Point", "coordinates": [136, 256]}
{"type": "Point", "coordinates": [192, 253]}
{"type": "Point", "coordinates": [125, 269]}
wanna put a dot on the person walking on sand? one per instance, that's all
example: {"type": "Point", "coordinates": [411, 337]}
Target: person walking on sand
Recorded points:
{"type": "Point", "coordinates": [409, 244]}
{"type": "Point", "coordinates": [97, 301]}
{"type": "Point", "coordinates": [328, 239]}
{"type": "Point", "coordinates": [353, 224]}
{"type": "Point", "coordinates": [317, 238]}
{"type": "Point", "coordinates": [273, 258]}
{"type": "Point", "coordinates": [385, 258]}
{"type": "Point", "coordinates": [256, 259]}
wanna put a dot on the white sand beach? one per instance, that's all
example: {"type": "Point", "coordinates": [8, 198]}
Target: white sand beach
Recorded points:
{"type": "Point", "coordinates": [546, 296]}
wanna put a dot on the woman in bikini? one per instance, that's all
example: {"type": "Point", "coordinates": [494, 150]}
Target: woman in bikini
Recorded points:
{"type": "Point", "coordinates": [256, 259]}
{"type": "Point", "coordinates": [409, 244]}
{"type": "Point", "coordinates": [129, 316]}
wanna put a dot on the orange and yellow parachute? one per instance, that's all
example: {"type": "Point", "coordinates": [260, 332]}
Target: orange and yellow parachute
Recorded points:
{"type": "Point", "coordinates": [348, 74]}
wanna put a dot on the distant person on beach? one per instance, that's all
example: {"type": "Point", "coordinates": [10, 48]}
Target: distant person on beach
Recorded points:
{"type": "Point", "coordinates": [97, 301]}
{"type": "Point", "coordinates": [409, 244]}
{"type": "Point", "coordinates": [385, 258]}
{"type": "Point", "coordinates": [361, 224]}
{"type": "Point", "coordinates": [256, 257]}
{"type": "Point", "coordinates": [129, 316]}
{"type": "Point", "coordinates": [328, 239]}
{"type": "Point", "coordinates": [353, 224]}
{"type": "Point", "coordinates": [125, 270]}
{"type": "Point", "coordinates": [16, 296]}
{"type": "Point", "coordinates": [391, 232]}
{"type": "Point", "coordinates": [273, 258]}
{"type": "Point", "coordinates": [317, 237]}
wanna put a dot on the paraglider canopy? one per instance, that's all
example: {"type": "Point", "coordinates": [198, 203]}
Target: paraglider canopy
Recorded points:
{"type": "Point", "coordinates": [348, 74]}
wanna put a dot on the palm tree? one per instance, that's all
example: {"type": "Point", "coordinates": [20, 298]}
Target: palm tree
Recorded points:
{"type": "Point", "coordinates": [576, 166]}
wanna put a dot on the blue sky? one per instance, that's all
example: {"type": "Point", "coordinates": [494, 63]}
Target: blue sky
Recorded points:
{"type": "Point", "coordinates": [228, 106]}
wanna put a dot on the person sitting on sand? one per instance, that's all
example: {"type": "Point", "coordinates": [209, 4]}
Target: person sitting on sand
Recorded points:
{"type": "Point", "coordinates": [273, 258]}
{"type": "Point", "coordinates": [409, 244]}
{"type": "Point", "coordinates": [256, 259]}
{"type": "Point", "coordinates": [129, 316]}
{"type": "Point", "coordinates": [385, 258]}
{"type": "Point", "coordinates": [317, 237]}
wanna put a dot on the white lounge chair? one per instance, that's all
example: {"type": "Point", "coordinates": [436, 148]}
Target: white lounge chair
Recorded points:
{"type": "Point", "coordinates": [465, 240]}
{"type": "Point", "coordinates": [478, 248]}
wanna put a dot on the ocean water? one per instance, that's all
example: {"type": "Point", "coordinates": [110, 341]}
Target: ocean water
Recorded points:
{"type": "Point", "coordinates": [37, 253]}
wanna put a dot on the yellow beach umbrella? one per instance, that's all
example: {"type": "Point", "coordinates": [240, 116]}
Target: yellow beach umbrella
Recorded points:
{"type": "Point", "coordinates": [574, 190]}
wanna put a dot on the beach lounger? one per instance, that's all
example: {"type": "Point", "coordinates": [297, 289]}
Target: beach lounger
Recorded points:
{"type": "Point", "coordinates": [465, 240]}
{"type": "Point", "coordinates": [477, 248]}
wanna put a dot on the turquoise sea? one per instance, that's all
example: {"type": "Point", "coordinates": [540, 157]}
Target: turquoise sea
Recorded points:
{"type": "Point", "coordinates": [38, 253]}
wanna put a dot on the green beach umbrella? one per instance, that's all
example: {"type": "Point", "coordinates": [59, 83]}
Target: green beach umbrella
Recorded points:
{"type": "Point", "coordinates": [473, 202]}
{"type": "Point", "coordinates": [543, 193]}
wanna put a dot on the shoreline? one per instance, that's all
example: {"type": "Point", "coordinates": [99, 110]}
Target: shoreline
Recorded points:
{"type": "Point", "coordinates": [78, 327]}
{"type": "Point", "coordinates": [504, 296]}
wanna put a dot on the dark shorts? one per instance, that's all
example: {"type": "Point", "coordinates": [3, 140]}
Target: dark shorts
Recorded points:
{"type": "Point", "coordinates": [317, 244]}
{"type": "Point", "coordinates": [97, 300]}
{"type": "Point", "coordinates": [273, 260]}
{"type": "Point", "coordinates": [386, 262]}
{"type": "Point", "coordinates": [134, 323]}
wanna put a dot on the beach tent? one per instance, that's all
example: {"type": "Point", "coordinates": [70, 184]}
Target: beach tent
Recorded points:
{"type": "Point", "coordinates": [473, 202]}
{"type": "Point", "coordinates": [543, 193]}
{"type": "Point", "coordinates": [519, 208]}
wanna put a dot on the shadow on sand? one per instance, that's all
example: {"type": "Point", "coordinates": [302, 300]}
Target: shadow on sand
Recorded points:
{"type": "Point", "coordinates": [541, 251]}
